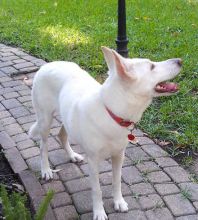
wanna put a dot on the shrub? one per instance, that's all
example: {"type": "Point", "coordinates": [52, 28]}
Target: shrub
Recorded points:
{"type": "Point", "coordinates": [14, 205]}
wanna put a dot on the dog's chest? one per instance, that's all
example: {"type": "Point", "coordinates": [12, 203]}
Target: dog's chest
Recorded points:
{"type": "Point", "coordinates": [112, 147]}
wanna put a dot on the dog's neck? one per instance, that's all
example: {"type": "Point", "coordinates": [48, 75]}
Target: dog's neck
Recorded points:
{"type": "Point", "coordinates": [122, 103]}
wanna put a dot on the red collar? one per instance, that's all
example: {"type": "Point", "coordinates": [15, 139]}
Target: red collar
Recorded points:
{"type": "Point", "coordinates": [119, 120]}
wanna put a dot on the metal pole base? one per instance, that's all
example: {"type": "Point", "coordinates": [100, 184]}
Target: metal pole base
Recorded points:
{"type": "Point", "coordinates": [122, 40]}
{"type": "Point", "coordinates": [122, 47]}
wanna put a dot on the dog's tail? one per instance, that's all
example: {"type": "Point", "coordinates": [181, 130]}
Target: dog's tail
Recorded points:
{"type": "Point", "coordinates": [34, 131]}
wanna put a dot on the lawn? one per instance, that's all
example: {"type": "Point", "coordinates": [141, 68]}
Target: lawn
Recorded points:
{"type": "Point", "coordinates": [75, 30]}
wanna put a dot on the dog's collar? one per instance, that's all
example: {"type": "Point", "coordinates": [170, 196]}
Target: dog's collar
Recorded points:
{"type": "Point", "coordinates": [120, 121]}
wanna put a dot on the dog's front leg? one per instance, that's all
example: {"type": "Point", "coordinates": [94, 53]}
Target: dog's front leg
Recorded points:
{"type": "Point", "coordinates": [98, 209]}
{"type": "Point", "coordinates": [119, 202]}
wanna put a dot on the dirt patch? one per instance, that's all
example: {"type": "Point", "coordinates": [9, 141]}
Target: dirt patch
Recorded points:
{"type": "Point", "coordinates": [184, 156]}
{"type": "Point", "coordinates": [10, 180]}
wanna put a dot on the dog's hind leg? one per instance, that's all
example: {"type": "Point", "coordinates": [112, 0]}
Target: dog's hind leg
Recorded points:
{"type": "Point", "coordinates": [42, 128]}
{"type": "Point", "coordinates": [65, 143]}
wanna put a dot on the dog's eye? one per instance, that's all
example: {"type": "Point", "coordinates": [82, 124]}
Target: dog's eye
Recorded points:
{"type": "Point", "coordinates": [152, 66]}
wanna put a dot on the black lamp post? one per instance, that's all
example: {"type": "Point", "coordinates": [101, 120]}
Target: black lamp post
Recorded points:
{"type": "Point", "coordinates": [122, 40]}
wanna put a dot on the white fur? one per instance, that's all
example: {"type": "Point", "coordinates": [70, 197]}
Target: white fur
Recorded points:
{"type": "Point", "coordinates": [80, 100]}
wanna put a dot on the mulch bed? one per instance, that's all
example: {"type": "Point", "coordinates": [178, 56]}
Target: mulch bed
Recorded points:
{"type": "Point", "coordinates": [180, 155]}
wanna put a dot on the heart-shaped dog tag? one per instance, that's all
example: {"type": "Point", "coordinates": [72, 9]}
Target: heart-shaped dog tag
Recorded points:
{"type": "Point", "coordinates": [132, 139]}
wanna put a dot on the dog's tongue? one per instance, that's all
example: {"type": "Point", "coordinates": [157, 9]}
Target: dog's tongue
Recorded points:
{"type": "Point", "coordinates": [166, 87]}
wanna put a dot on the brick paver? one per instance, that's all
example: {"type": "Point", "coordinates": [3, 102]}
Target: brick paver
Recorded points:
{"type": "Point", "coordinates": [159, 214]}
{"type": "Point", "coordinates": [25, 144]}
{"type": "Point", "coordinates": [34, 163]}
{"type": "Point", "coordinates": [153, 184]}
{"type": "Point", "coordinates": [131, 215]}
{"type": "Point", "coordinates": [61, 199]}
{"type": "Point", "coordinates": [11, 103]}
{"type": "Point", "coordinates": [147, 166]}
{"type": "Point", "coordinates": [178, 174]}
{"type": "Point", "coordinates": [69, 171]}
{"type": "Point", "coordinates": [30, 152]}
{"type": "Point", "coordinates": [189, 217]}
{"type": "Point", "coordinates": [56, 186]}
{"type": "Point", "coordinates": [6, 141]}
{"type": "Point", "coordinates": [179, 205]}
{"type": "Point", "coordinates": [136, 154]}
{"type": "Point", "coordinates": [142, 188]}
{"type": "Point", "coordinates": [16, 160]}
{"type": "Point", "coordinates": [78, 185]}
{"type": "Point", "coordinates": [107, 190]}
{"type": "Point", "coordinates": [8, 121]}
{"type": "Point", "coordinates": [66, 212]}
{"type": "Point", "coordinates": [192, 189]}
{"type": "Point", "coordinates": [58, 157]}
{"type": "Point", "coordinates": [103, 167]}
{"type": "Point", "coordinates": [151, 201]}
{"type": "Point", "coordinates": [131, 175]}
{"type": "Point", "coordinates": [166, 162]}
{"type": "Point", "coordinates": [166, 189]}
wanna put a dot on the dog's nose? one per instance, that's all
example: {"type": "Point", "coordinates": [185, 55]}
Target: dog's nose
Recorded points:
{"type": "Point", "coordinates": [179, 61]}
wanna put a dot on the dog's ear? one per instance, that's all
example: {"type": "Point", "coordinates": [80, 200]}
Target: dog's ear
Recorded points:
{"type": "Point", "coordinates": [120, 66]}
{"type": "Point", "coordinates": [108, 55]}
{"type": "Point", "coordinates": [115, 63]}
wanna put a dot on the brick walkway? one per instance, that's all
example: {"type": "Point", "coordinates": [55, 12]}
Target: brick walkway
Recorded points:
{"type": "Point", "coordinates": [154, 185]}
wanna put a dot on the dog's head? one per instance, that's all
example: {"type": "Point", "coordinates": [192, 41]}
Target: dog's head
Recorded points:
{"type": "Point", "coordinates": [143, 76]}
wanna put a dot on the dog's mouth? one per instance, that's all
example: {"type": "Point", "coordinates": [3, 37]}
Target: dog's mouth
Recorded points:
{"type": "Point", "coordinates": [169, 87]}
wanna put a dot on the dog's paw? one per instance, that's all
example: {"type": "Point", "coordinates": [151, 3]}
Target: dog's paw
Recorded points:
{"type": "Point", "coordinates": [121, 205]}
{"type": "Point", "coordinates": [100, 215]}
{"type": "Point", "coordinates": [47, 174]}
{"type": "Point", "coordinates": [76, 157]}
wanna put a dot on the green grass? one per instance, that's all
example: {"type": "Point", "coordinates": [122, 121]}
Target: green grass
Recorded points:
{"type": "Point", "coordinates": [186, 193]}
{"type": "Point", "coordinates": [75, 30]}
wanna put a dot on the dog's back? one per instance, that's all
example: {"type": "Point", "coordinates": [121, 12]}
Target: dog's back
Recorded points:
{"type": "Point", "coordinates": [49, 81]}
{"type": "Point", "coordinates": [54, 75]}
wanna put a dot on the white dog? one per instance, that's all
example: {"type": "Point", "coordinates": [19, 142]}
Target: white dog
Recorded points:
{"type": "Point", "coordinates": [95, 116]}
